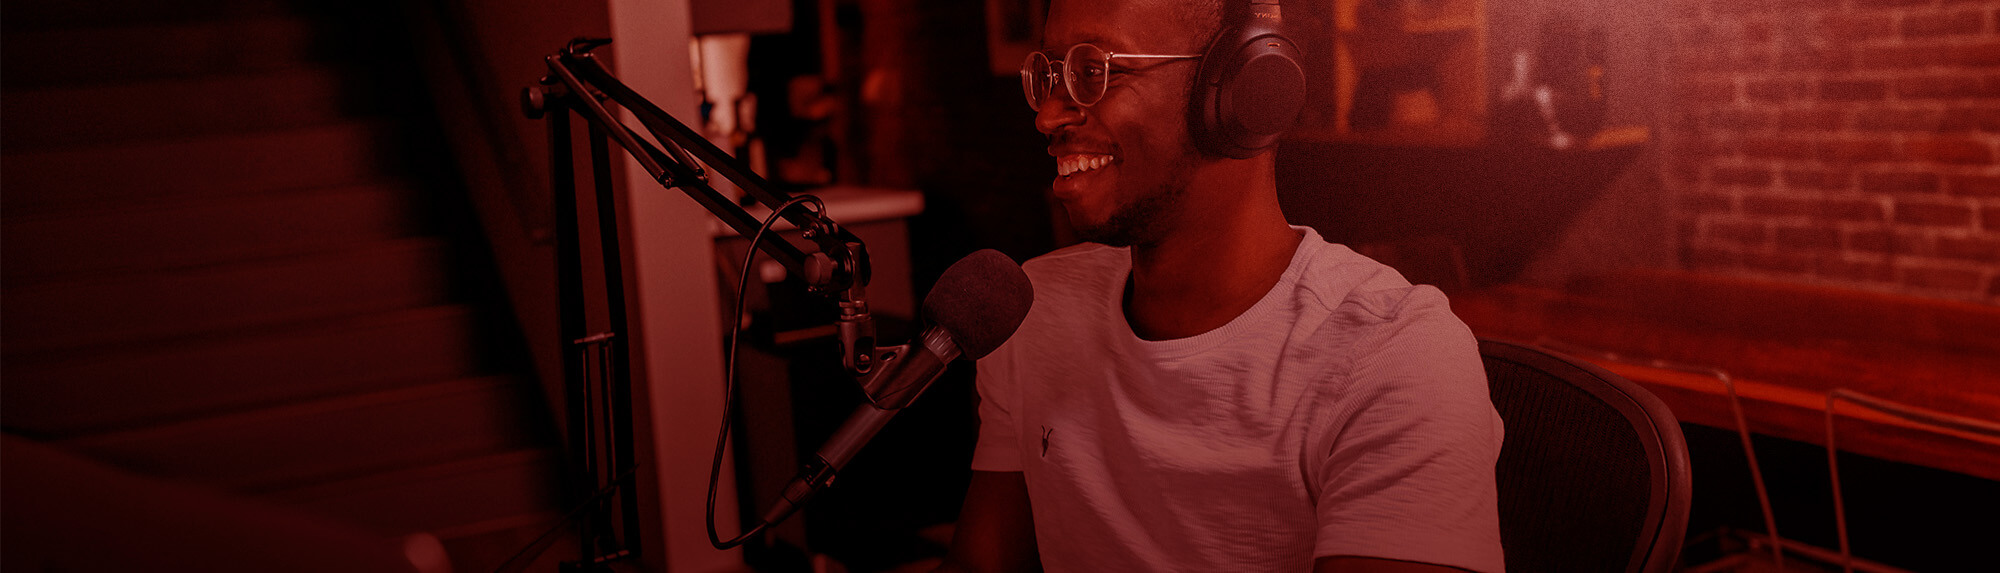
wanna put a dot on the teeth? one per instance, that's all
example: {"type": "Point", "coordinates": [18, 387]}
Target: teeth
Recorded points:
{"type": "Point", "coordinates": [1072, 164]}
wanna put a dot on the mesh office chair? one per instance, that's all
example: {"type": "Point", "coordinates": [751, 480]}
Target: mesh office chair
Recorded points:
{"type": "Point", "coordinates": [1593, 475]}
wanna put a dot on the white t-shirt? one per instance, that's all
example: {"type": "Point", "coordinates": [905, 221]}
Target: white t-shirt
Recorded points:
{"type": "Point", "coordinates": [1346, 413]}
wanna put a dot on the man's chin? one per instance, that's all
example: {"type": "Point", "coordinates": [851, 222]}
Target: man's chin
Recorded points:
{"type": "Point", "coordinates": [1106, 239]}
{"type": "Point", "coordinates": [1130, 223]}
{"type": "Point", "coordinates": [1090, 230]}
{"type": "Point", "coordinates": [1103, 233]}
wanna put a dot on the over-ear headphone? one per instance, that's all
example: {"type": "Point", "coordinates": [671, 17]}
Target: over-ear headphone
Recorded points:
{"type": "Point", "coordinates": [1251, 87]}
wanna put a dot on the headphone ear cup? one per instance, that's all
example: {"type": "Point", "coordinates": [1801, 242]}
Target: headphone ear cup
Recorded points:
{"type": "Point", "coordinates": [1250, 91]}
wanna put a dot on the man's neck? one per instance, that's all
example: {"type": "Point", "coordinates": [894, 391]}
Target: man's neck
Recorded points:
{"type": "Point", "coordinates": [1230, 247]}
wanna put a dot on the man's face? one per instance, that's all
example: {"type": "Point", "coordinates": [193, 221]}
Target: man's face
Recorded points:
{"type": "Point", "coordinates": [1129, 157]}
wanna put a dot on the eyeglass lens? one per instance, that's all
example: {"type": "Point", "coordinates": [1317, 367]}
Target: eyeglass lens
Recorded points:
{"type": "Point", "coordinates": [1085, 72]}
{"type": "Point", "coordinates": [1035, 79]}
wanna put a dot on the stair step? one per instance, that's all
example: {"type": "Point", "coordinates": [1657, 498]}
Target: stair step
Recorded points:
{"type": "Point", "coordinates": [485, 546]}
{"type": "Point", "coordinates": [339, 154]}
{"type": "Point", "coordinates": [142, 236]}
{"type": "Point", "coordinates": [440, 497]}
{"type": "Point", "coordinates": [71, 13]}
{"type": "Point", "coordinates": [158, 50]}
{"type": "Point", "coordinates": [119, 308]}
{"type": "Point", "coordinates": [332, 438]}
{"type": "Point", "coordinates": [66, 395]}
{"type": "Point", "coordinates": [532, 523]}
{"type": "Point", "coordinates": [215, 272]}
{"type": "Point", "coordinates": [105, 113]}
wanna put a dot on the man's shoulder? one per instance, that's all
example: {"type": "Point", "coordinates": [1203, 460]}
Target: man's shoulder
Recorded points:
{"type": "Point", "coordinates": [1340, 278]}
{"type": "Point", "coordinates": [1373, 311]}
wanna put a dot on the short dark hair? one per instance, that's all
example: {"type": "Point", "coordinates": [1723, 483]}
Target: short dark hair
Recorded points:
{"type": "Point", "coordinates": [1204, 16]}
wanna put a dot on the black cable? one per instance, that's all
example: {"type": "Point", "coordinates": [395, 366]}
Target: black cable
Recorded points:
{"type": "Point", "coordinates": [729, 375]}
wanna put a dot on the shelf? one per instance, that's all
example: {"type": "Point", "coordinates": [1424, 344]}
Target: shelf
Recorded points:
{"type": "Point", "coordinates": [1406, 72]}
{"type": "Point", "coordinates": [1449, 133]}
{"type": "Point", "coordinates": [1619, 136]}
{"type": "Point", "coordinates": [1461, 135]}
{"type": "Point", "coordinates": [847, 205]}
{"type": "Point", "coordinates": [1460, 23]}
{"type": "Point", "coordinates": [1415, 15]}
{"type": "Point", "coordinates": [1495, 199]}
{"type": "Point", "coordinates": [1439, 25]}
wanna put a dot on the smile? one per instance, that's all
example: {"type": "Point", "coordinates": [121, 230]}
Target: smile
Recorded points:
{"type": "Point", "coordinates": [1068, 165]}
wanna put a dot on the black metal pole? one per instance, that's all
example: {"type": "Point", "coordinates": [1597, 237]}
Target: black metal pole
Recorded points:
{"type": "Point", "coordinates": [575, 318]}
{"type": "Point", "coordinates": [617, 382]}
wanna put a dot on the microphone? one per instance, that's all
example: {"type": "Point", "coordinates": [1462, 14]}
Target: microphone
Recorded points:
{"type": "Point", "coordinates": [974, 307]}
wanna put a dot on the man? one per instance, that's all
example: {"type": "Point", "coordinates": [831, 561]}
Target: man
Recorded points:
{"type": "Point", "coordinates": [1203, 387]}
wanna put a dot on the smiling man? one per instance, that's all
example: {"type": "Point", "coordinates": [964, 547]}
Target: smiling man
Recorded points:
{"type": "Point", "coordinates": [1201, 386]}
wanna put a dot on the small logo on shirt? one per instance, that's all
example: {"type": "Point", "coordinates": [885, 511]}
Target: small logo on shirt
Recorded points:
{"type": "Point", "coordinates": [1046, 431]}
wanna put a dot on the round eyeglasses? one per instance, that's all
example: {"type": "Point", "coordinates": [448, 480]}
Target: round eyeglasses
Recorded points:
{"type": "Point", "coordinates": [1085, 71]}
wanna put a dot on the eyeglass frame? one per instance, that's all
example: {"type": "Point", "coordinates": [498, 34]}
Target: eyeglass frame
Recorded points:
{"type": "Point", "coordinates": [1067, 76]}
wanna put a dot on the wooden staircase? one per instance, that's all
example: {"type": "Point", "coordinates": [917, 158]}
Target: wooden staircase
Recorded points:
{"type": "Point", "coordinates": [233, 257]}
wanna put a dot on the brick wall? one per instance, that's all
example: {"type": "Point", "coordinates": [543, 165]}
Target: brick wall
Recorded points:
{"type": "Point", "coordinates": [1844, 142]}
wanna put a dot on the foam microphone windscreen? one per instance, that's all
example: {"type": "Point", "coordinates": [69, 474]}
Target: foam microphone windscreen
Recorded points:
{"type": "Point", "coordinates": [980, 300]}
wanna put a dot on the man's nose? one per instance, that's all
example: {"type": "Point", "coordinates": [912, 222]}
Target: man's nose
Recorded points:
{"type": "Point", "coordinates": [1057, 111]}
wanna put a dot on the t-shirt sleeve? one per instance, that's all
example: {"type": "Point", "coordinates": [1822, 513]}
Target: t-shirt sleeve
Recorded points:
{"type": "Point", "coordinates": [999, 446]}
{"type": "Point", "coordinates": [1408, 470]}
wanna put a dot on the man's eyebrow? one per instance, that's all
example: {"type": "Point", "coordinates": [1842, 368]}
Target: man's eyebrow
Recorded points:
{"type": "Point", "coordinates": [1099, 41]}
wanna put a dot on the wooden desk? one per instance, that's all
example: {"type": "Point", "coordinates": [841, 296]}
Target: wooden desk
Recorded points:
{"type": "Point", "coordinates": [1785, 346]}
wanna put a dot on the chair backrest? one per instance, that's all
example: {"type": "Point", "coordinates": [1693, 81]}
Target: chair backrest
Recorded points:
{"type": "Point", "coordinates": [1593, 475]}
